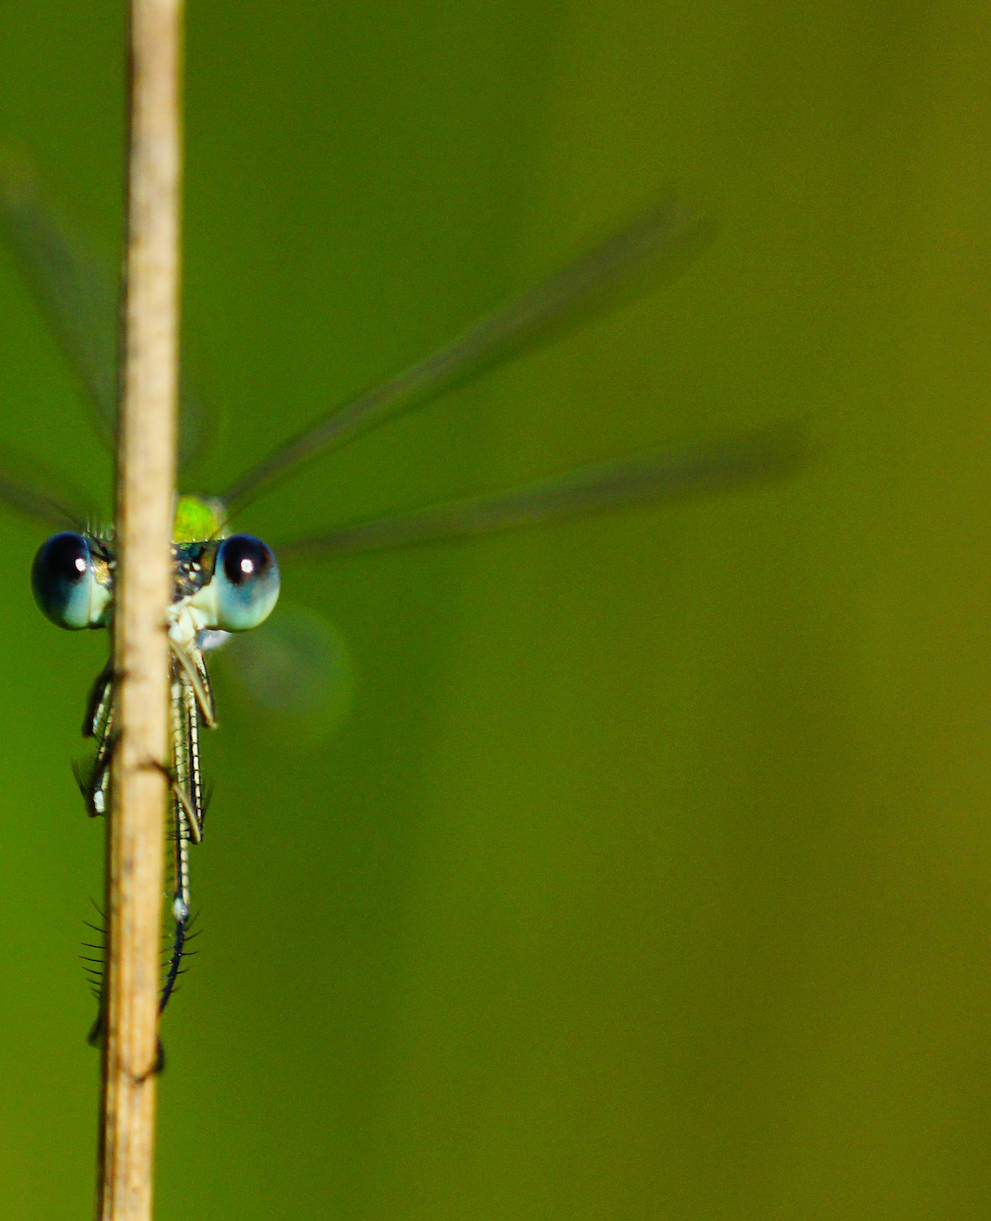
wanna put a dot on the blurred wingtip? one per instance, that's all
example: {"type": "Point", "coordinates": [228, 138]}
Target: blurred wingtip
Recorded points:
{"type": "Point", "coordinates": [780, 450]}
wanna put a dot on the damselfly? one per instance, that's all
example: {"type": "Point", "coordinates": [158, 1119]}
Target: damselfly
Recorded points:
{"type": "Point", "coordinates": [228, 582]}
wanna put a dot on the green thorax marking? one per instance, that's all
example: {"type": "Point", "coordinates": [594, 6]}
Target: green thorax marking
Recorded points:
{"type": "Point", "coordinates": [197, 520]}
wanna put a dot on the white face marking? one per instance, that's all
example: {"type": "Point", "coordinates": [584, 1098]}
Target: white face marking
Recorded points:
{"type": "Point", "coordinates": [186, 620]}
{"type": "Point", "coordinates": [212, 638]}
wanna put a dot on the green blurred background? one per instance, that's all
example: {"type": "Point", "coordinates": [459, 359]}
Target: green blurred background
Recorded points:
{"type": "Point", "coordinates": [649, 875]}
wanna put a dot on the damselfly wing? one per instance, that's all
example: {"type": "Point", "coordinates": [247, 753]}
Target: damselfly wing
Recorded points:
{"type": "Point", "coordinates": [228, 582]}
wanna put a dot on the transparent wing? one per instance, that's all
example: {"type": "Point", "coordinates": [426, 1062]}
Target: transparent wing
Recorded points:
{"type": "Point", "coordinates": [77, 296]}
{"type": "Point", "coordinates": [298, 669]}
{"type": "Point", "coordinates": [667, 234]}
{"type": "Point", "coordinates": [74, 293]}
{"type": "Point", "coordinates": [666, 474]}
{"type": "Point", "coordinates": [26, 487]}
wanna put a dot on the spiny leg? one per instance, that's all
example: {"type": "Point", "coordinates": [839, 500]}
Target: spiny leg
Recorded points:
{"type": "Point", "coordinates": [98, 723]}
{"type": "Point", "coordinates": [187, 814]}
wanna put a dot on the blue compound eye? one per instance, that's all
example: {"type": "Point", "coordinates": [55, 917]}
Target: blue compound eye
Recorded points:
{"type": "Point", "coordinates": [246, 578]}
{"type": "Point", "coordinates": [65, 583]}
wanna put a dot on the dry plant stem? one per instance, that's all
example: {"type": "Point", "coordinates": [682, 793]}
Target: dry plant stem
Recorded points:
{"type": "Point", "coordinates": [145, 482]}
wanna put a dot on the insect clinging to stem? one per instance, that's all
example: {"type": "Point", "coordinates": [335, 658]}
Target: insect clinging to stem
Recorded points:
{"type": "Point", "coordinates": [228, 582]}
